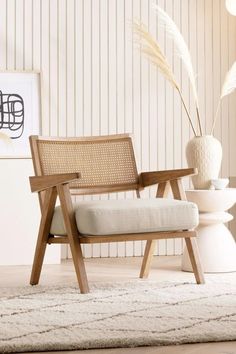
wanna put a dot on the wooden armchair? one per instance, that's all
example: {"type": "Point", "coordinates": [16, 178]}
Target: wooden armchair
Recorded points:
{"type": "Point", "coordinates": [95, 165]}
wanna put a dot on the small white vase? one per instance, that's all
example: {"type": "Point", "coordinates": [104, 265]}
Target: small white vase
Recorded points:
{"type": "Point", "coordinates": [204, 153]}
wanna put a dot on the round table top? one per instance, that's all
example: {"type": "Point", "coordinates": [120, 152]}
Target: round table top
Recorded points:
{"type": "Point", "coordinates": [225, 190]}
{"type": "Point", "coordinates": [212, 200]}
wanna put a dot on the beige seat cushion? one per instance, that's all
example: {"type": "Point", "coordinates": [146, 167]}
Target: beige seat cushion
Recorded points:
{"type": "Point", "coordinates": [107, 217]}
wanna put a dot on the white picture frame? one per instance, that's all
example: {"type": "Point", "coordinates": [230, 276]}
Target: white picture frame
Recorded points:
{"type": "Point", "coordinates": [20, 111]}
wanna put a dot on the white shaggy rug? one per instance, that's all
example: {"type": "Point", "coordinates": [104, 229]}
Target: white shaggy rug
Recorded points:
{"type": "Point", "coordinates": [140, 313]}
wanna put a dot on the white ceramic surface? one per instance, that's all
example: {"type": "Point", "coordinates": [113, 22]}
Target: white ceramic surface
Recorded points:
{"type": "Point", "coordinates": [220, 183]}
{"type": "Point", "coordinates": [216, 244]}
{"type": "Point", "coordinates": [212, 200]}
{"type": "Point", "coordinates": [204, 153]}
{"type": "Point", "coordinates": [214, 218]}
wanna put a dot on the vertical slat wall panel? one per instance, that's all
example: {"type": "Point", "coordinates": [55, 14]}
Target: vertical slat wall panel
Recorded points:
{"type": "Point", "coordinates": [70, 67]}
{"type": "Point", "coordinates": [19, 34]}
{"type": "Point", "coordinates": [61, 42]}
{"type": "Point", "coordinates": [53, 104]}
{"type": "Point", "coordinates": [185, 86]}
{"type": "Point", "coordinates": [45, 65]}
{"type": "Point", "coordinates": [95, 82]}
{"type": "Point", "coordinates": [209, 65]}
{"type": "Point", "coordinates": [11, 34]}
{"type": "Point", "coordinates": [28, 35]}
{"type": "Point", "coordinates": [36, 40]}
{"type": "Point", "coordinates": [3, 35]}
{"type": "Point", "coordinates": [217, 69]}
{"type": "Point", "coordinates": [79, 70]}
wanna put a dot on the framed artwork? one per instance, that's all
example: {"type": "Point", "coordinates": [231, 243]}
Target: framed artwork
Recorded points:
{"type": "Point", "coordinates": [20, 112]}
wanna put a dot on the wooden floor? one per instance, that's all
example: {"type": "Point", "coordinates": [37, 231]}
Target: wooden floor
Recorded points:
{"type": "Point", "coordinates": [114, 269]}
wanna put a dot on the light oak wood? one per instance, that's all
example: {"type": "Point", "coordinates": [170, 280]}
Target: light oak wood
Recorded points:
{"type": "Point", "coordinates": [37, 167]}
{"type": "Point", "coordinates": [44, 229]}
{"type": "Point", "coordinates": [83, 138]}
{"type": "Point", "coordinates": [147, 258]}
{"type": "Point", "coordinates": [124, 237]}
{"type": "Point", "coordinates": [73, 236]}
{"type": "Point", "coordinates": [178, 190]}
{"type": "Point", "coordinates": [195, 260]}
{"type": "Point", "coordinates": [40, 183]}
{"type": "Point", "coordinates": [154, 177]}
{"type": "Point", "coordinates": [162, 192]}
{"type": "Point", "coordinates": [58, 240]}
{"type": "Point", "coordinates": [123, 179]}
{"type": "Point", "coordinates": [137, 237]}
{"type": "Point", "coordinates": [104, 190]}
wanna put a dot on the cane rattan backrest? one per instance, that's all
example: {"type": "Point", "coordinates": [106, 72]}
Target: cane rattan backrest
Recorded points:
{"type": "Point", "coordinates": [105, 163]}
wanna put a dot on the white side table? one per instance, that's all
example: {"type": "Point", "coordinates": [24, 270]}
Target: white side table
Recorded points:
{"type": "Point", "coordinates": [216, 244]}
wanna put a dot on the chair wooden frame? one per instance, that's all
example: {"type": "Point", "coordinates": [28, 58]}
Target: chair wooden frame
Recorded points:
{"type": "Point", "coordinates": [49, 187]}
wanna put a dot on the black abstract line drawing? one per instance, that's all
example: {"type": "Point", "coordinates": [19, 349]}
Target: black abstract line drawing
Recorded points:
{"type": "Point", "coordinates": [12, 114]}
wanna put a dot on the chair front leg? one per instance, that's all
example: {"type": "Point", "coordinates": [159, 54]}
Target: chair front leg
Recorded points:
{"type": "Point", "coordinates": [73, 236]}
{"type": "Point", "coordinates": [48, 206]}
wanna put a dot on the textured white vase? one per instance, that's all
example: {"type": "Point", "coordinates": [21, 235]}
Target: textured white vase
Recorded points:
{"type": "Point", "coordinates": [204, 153]}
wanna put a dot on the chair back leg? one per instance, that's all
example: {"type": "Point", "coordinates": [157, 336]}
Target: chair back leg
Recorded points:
{"type": "Point", "coordinates": [162, 192]}
{"type": "Point", "coordinates": [44, 229]}
{"type": "Point", "coordinates": [195, 259]}
{"type": "Point", "coordinates": [147, 258]}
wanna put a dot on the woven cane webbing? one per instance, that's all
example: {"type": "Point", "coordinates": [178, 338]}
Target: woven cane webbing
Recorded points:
{"type": "Point", "coordinates": [100, 162]}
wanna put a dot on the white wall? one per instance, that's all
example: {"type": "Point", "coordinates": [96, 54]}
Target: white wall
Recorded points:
{"type": "Point", "coordinates": [19, 215]}
{"type": "Point", "coordinates": [94, 83]}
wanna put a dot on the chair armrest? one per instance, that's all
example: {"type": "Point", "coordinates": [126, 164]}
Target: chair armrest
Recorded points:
{"type": "Point", "coordinates": [40, 183]}
{"type": "Point", "coordinates": [154, 177]}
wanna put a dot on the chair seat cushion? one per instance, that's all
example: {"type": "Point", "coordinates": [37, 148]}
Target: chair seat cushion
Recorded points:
{"type": "Point", "coordinates": [108, 217]}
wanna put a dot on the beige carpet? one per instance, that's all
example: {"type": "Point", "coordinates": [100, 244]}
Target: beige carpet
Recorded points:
{"type": "Point", "coordinates": [140, 313]}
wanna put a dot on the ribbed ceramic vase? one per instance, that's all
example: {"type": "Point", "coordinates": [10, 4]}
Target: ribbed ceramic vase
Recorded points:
{"type": "Point", "coordinates": [204, 153]}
